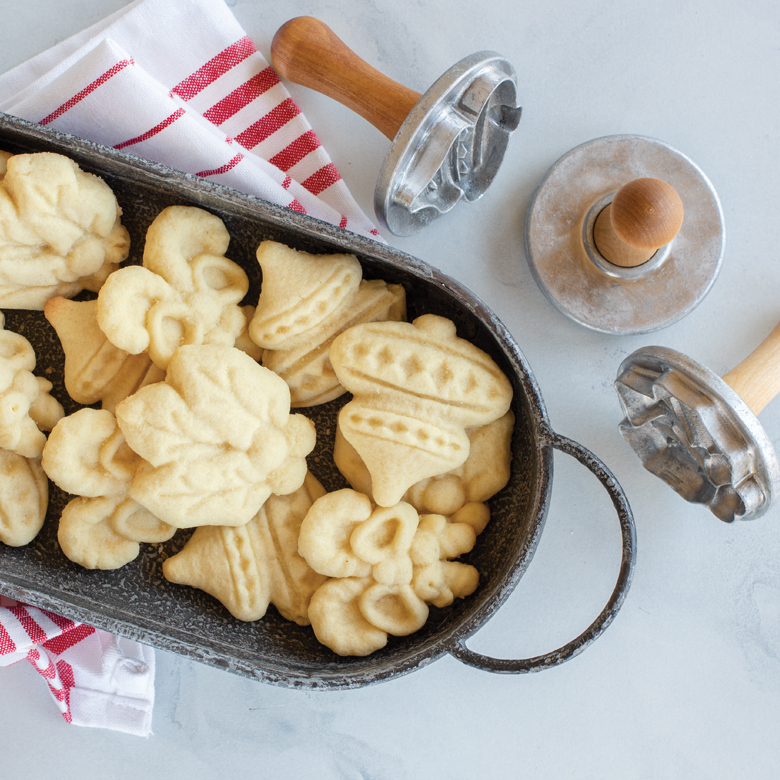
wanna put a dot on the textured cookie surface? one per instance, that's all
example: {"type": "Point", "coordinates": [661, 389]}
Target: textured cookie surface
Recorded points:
{"type": "Point", "coordinates": [60, 230]}
{"type": "Point", "coordinates": [385, 563]}
{"type": "Point", "coordinates": [101, 528]}
{"type": "Point", "coordinates": [216, 437]}
{"type": "Point", "coordinates": [305, 302]}
{"type": "Point", "coordinates": [258, 564]}
{"type": "Point", "coordinates": [186, 292]}
{"type": "Point", "coordinates": [417, 387]}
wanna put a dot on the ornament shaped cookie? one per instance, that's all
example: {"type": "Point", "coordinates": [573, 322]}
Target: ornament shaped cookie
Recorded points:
{"type": "Point", "coordinates": [86, 455]}
{"type": "Point", "coordinates": [186, 292]}
{"type": "Point", "coordinates": [60, 230]}
{"type": "Point", "coordinates": [258, 564]}
{"type": "Point", "coordinates": [385, 563]}
{"type": "Point", "coordinates": [216, 437]}
{"type": "Point", "coordinates": [417, 387]}
{"type": "Point", "coordinates": [26, 409]}
{"type": "Point", "coordinates": [305, 302]}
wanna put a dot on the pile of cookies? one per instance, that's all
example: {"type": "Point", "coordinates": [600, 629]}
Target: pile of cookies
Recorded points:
{"type": "Point", "coordinates": [188, 421]}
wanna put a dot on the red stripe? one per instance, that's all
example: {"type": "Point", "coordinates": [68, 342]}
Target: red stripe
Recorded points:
{"type": "Point", "coordinates": [296, 206]}
{"type": "Point", "coordinates": [343, 223]}
{"type": "Point", "coordinates": [65, 624]}
{"type": "Point", "coordinates": [242, 96]}
{"type": "Point", "coordinates": [68, 682]}
{"type": "Point", "coordinates": [86, 91]}
{"type": "Point", "coordinates": [374, 232]}
{"type": "Point", "coordinates": [61, 643]}
{"type": "Point", "coordinates": [322, 179]}
{"type": "Point", "coordinates": [287, 182]}
{"type": "Point", "coordinates": [7, 645]}
{"type": "Point", "coordinates": [293, 153]}
{"type": "Point", "coordinates": [277, 117]}
{"type": "Point", "coordinates": [34, 631]}
{"type": "Point", "coordinates": [156, 129]}
{"type": "Point", "coordinates": [214, 68]}
{"type": "Point", "coordinates": [225, 168]}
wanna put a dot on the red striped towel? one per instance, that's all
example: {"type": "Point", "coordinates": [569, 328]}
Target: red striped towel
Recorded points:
{"type": "Point", "coordinates": [177, 82]}
{"type": "Point", "coordinates": [95, 678]}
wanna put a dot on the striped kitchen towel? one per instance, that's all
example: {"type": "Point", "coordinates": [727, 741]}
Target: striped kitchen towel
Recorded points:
{"type": "Point", "coordinates": [95, 678]}
{"type": "Point", "coordinates": [179, 82]}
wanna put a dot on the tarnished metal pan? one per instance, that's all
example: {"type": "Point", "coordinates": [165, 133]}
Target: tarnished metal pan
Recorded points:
{"type": "Point", "coordinates": [136, 601]}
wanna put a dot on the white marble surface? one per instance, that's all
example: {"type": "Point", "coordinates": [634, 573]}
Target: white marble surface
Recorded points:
{"type": "Point", "coordinates": [686, 681]}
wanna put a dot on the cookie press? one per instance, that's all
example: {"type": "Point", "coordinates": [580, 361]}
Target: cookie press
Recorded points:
{"type": "Point", "coordinates": [700, 432]}
{"type": "Point", "coordinates": [447, 144]}
{"type": "Point", "coordinates": [625, 235]}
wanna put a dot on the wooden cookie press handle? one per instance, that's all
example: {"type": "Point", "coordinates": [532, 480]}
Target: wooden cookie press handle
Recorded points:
{"type": "Point", "coordinates": [644, 215]}
{"type": "Point", "coordinates": [307, 52]}
{"type": "Point", "coordinates": [756, 380]}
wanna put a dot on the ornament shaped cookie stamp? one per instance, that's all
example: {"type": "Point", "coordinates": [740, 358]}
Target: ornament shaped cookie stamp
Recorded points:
{"type": "Point", "coordinates": [447, 144]}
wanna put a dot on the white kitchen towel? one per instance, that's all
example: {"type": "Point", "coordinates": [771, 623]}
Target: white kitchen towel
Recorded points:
{"type": "Point", "coordinates": [177, 82]}
{"type": "Point", "coordinates": [95, 678]}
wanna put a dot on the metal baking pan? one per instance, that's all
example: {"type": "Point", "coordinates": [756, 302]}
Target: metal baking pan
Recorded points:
{"type": "Point", "coordinates": [136, 601]}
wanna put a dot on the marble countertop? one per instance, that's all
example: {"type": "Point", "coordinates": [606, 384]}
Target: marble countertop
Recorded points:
{"type": "Point", "coordinates": [686, 681]}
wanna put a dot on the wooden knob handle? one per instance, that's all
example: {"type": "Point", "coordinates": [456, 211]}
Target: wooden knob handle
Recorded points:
{"type": "Point", "coordinates": [307, 52]}
{"type": "Point", "coordinates": [756, 380]}
{"type": "Point", "coordinates": [644, 215]}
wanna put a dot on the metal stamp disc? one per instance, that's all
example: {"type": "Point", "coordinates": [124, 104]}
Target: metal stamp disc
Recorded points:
{"type": "Point", "coordinates": [451, 144]}
{"type": "Point", "coordinates": [690, 429]}
{"type": "Point", "coordinates": [585, 286]}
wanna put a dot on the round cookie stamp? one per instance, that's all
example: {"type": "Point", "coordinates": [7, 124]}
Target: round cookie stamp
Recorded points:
{"type": "Point", "coordinates": [623, 270]}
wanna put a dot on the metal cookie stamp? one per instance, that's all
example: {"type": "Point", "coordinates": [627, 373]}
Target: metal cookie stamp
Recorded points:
{"type": "Point", "coordinates": [700, 432]}
{"type": "Point", "coordinates": [447, 144]}
{"type": "Point", "coordinates": [616, 252]}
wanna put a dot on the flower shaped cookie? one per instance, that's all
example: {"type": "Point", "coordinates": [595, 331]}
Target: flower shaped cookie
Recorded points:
{"type": "Point", "coordinates": [187, 291]}
{"type": "Point", "coordinates": [216, 437]}
{"type": "Point", "coordinates": [60, 230]}
{"type": "Point", "coordinates": [385, 564]}
{"type": "Point", "coordinates": [87, 455]}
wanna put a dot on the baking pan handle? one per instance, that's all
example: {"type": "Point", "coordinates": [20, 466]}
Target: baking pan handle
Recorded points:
{"type": "Point", "coordinates": [594, 630]}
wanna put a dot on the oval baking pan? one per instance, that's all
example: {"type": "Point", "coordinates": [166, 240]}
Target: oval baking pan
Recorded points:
{"type": "Point", "coordinates": [136, 601]}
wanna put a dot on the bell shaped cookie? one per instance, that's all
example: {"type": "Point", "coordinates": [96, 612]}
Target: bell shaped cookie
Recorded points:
{"type": "Point", "coordinates": [186, 292]}
{"type": "Point", "coordinates": [258, 564]}
{"type": "Point", "coordinates": [60, 230]}
{"type": "Point", "coordinates": [417, 387]}
{"type": "Point", "coordinates": [305, 302]}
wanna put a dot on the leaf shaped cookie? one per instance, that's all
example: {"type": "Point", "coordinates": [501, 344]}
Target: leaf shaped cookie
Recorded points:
{"type": "Point", "coordinates": [60, 230]}
{"type": "Point", "coordinates": [217, 439]}
{"type": "Point", "coordinates": [258, 564]}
